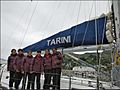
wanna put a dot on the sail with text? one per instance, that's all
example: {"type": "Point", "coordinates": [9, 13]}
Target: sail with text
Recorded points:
{"type": "Point", "coordinates": [79, 35]}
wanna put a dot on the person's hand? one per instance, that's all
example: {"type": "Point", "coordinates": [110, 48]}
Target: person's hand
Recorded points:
{"type": "Point", "coordinates": [22, 72]}
{"type": "Point", "coordinates": [17, 70]}
{"type": "Point", "coordinates": [31, 72]}
{"type": "Point", "coordinates": [55, 62]}
{"type": "Point", "coordinates": [44, 64]}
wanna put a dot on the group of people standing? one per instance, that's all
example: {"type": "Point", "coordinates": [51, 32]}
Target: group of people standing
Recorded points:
{"type": "Point", "coordinates": [22, 67]}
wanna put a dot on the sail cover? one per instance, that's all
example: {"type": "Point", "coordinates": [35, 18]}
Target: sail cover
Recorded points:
{"type": "Point", "coordinates": [79, 35]}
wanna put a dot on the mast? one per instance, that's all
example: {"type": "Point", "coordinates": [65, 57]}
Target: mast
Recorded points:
{"type": "Point", "coordinates": [116, 10]}
{"type": "Point", "coordinates": [116, 67]}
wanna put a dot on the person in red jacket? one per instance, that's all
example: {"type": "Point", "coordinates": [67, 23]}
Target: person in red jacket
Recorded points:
{"type": "Point", "coordinates": [56, 68]}
{"type": "Point", "coordinates": [17, 66]}
{"type": "Point", "coordinates": [27, 70]}
{"type": "Point", "coordinates": [37, 69]}
{"type": "Point", "coordinates": [10, 68]}
{"type": "Point", "coordinates": [47, 63]}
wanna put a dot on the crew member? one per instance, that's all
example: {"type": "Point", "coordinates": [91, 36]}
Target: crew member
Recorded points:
{"type": "Point", "coordinates": [56, 68]}
{"type": "Point", "coordinates": [37, 69]}
{"type": "Point", "coordinates": [27, 70]}
{"type": "Point", "coordinates": [47, 69]}
{"type": "Point", "coordinates": [10, 68]}
{"type": "Point", "coordinates": [17, 65]}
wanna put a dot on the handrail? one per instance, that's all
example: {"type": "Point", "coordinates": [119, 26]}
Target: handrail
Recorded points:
{"type": "Point", "coordinates": [2, 68]}
{"type": "Point", "coordinates": [77, 81]}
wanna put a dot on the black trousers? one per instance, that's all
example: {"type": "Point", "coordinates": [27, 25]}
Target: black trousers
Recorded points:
{"type": "Point", "coordinates": [18, 78]}
{"type": "Point", "coordinates": [47, 80]}
{"type": "Point", "coordinates": [11, 80]}
{"type": "Point", "coordinates": [29, 82]}
{"type": "Point", "coordinates": [37, 77]}
{"type": "Point", "coordinates": [56, 78]}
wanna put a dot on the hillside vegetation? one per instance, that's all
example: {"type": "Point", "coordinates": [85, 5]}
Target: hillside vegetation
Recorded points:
{"type": "Point", "coordinates": [69, 63]}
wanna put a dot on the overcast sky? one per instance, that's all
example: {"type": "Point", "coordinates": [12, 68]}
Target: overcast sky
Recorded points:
{"type": "Point", "coordinates": [25, 22]}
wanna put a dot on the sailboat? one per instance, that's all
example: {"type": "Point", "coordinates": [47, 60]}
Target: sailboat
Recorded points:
{"type": "Point", "coordinates": [97, 34]}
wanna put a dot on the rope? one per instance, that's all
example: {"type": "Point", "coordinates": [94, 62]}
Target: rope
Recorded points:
{"type": "Point", "coordinates": [112, 50]}
{"type": "Point", "coordinates": [102, 43]}
{"type": "Point", "coordinates": [96, 33]}
{"type": "Point", "coordinates": [24, 26]}
{"type": "Point", "coordinates": [76, 26]}
{"type": "Point", "coordinates": [103, 37]}
{"type": "Point", "coordinates": [64, 18]}
{"type": "Point", "coordinates": [51, 17]}
{"type": "Point", "coordinates": [97, 60]}
{"type": "Point", "coordinates": [85, 13]}
{"type": "Point", "coordinates": [87, 25]}
{"type": "Point", "coordinates": [15, 28]}
{"type": "Point", "coordinates": [112, 60]}
{"type": "Point", "coordinates": [28, 24]}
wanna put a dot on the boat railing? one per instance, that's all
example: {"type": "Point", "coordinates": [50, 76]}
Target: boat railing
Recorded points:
{"type": "Point", "coordinates": [2, 70]}
{"type": "Point", "coordinates": [70, 80]}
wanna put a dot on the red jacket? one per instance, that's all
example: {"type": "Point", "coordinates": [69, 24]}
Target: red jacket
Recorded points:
{"type": "Point", "coordinates": [38, 64]}
{"type": "Point", "coordinates": [18, 62]}
{"type": "Point", "coordinates": [10, 63]}
{"type": "Point", "coordinates": [47, 62]}
{"type": "Point", "coordinates": [57, 60]}
{"type": "Point", "coordinates": [27, 64]}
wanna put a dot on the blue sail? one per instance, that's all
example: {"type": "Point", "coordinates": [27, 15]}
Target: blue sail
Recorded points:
{"type": "Point", "coordinates": [79, 35]}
